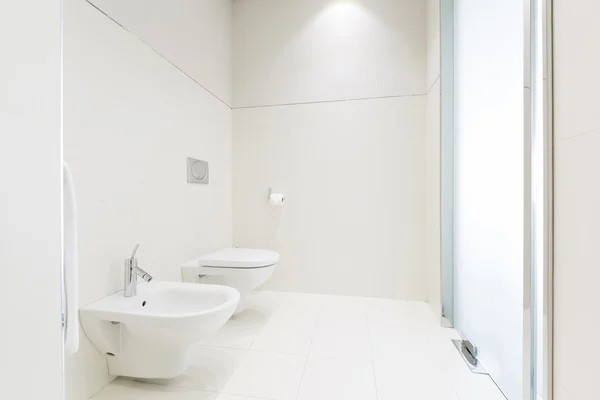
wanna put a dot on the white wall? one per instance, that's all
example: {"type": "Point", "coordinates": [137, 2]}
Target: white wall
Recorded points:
{"type": "Point", "coordinates": [489, 186]}
{"type": "Point", "coordinates": [353, 171]}
{"type": "Point", "coordinates": [353, 176]}
{"type": "Point", "coordinates": [194, 35]}
{"type": "Point", "coordinates": [317, 50]}
{"type": "Point", "coordinates": [576, 198]}
{"type": "Point", "coordinates": [30, 200]}
{"type": "Point", "coordinates": [432, 161]}
{"type": "Point", "coordinates": [131, 119]}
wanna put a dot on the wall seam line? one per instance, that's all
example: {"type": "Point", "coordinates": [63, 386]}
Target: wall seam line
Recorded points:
{"type": "Point", "coordinates": [157, 53]}
{"type": "Point", "coordinates": [330, 101]}
{"type": "Point", "coordinates": [592, 131]}
{"type": "Point", "coordinates": [433, 84]}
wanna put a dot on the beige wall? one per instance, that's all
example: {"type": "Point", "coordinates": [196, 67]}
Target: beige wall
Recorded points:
{"type": "Point", "coordinates": [297, 51]}
{"type": "Point", "coordinates": [194, 35]}
{"type": "Point", "coordinates": [432, 161]}
{"type": "Point", "coordinates": [353, 171]}
{"type": "Point", "coordinates": [30, 200]}
{"type": "Point", "coordinates": [131, 119]}
{"type": "Point", "coordinates": [353, 221]}
{"type": "Point", "coordinates": [576, 198]}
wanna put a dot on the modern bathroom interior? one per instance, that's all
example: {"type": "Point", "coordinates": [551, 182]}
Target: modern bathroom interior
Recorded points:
{"type": "Point", "coordinates": [311, 200]}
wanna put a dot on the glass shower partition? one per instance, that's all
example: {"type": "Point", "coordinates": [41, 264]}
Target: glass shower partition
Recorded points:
{"type": "Point", "coordinates": [496, 189]}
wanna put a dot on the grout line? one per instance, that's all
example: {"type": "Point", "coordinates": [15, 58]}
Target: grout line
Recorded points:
{"type": "Point", "coordinates": [329, 101]}
{"type": "Point", "coordinates": [156, 52]}
{"type": "Point", "coordinates": [262, 328]}
{"type": "Point", "coordinates": [103, 387]}
{"type": "Point", "coordinates": [246, 351]}
{"type": "Point", "coordinates": [309, 348]}
{"type": "Point", "coordinates": [308, 355]}
{"type": "Point", "coordinates": [233, 372]}
{"type": "Point", "coordinates": [259, 332]}
{"type": "Point", "coordinates": [371, 347]}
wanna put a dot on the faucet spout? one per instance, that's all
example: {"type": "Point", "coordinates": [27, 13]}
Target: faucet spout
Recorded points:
{"type": "Point", "coordinates": [142, 274]}
{"type": "Point", "coordinates": [132, 271]}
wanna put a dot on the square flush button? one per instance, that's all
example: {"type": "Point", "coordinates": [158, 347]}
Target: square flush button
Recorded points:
{"type": "Point", "coordinates": [197, 171]}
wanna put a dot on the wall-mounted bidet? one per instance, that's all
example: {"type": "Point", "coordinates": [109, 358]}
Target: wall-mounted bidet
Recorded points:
{"type": "Point", "coordinates": [149, 335]}
{"type": "Point", "coordinates": [243, 269]}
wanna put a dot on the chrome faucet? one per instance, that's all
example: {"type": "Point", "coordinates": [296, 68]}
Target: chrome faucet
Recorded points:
{"type": "Point", "coordinates": [132, 271]}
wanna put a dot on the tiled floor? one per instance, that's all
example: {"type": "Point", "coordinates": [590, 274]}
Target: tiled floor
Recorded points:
{"type": "Point", "coordinates": [290, 346]}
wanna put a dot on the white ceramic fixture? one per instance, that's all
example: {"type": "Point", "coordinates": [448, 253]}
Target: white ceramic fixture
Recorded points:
{"type": "Point", "coordinates": [243, 269]}
{"type": "Point", "coordinates": [148, 335]}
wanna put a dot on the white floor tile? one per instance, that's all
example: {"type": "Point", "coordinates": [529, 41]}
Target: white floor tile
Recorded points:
{"type": "Point", "coordinates": [210, 368]}
{"type": "Point", "coordinates": [329, 379]}
{"type": "Point", "coordinates": [342, 311]}
{"type": "Point", "coordinates": [449, 333]}
{"type": "Point", "coordinates": [267, 302]}
{"type": "Point", "coordinates": [342, 341]}
{"type": "Point", "coordinates": [287, 334]}
{"type": "Point", "coordinates": [411, 377]}
{"type": "Point", "coordinates": [300, 304]}
{"type": "Point", "coordinates": [224, 396]}
{"type": "Point", "coordinates": [387, 340]}
{"type": "Point", "coordinates": [412, 316]}
{"type": "Point", "coordinates": [240, 331]}
{"type": "Point", "coordinates": [476, 387]}
{"type": "Point", "coordinates": [359, 348]}
{"type": "Point", "coordinates": [268, 375]}
{"type": "Point", "coordinates": [122, 389]}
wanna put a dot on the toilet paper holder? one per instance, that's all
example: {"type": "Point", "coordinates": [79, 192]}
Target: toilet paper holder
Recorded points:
{"type": "Point", "coordinates": [275, 199]}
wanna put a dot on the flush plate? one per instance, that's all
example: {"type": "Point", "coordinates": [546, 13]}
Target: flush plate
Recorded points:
{"type": "Point", "coordinates": [197, 171]}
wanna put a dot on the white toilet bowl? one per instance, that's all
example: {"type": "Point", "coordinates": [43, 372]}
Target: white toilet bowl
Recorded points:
{"type": "Point", "coordinates": [242, 269]}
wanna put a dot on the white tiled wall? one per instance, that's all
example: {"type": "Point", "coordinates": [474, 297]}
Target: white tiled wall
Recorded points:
{"type": "Point", "coordinates": [433, 42]}
{"type": "Point", "coordinates": [577, 195]}
{"type": "Point", "coordinates": [194, 35]}
{"type": "Point", "coordinates": [317, 50]}
{"type": "Point", "coordinates": [353, 174]}
{"type": "Point", "coordinates": [131, 119]}
{"type": "Point", "coordinates": [577, 198]}
{"type": "Point", "coordinates": [30, 200]}
{"type": "Point", "coordinates": [432, 257]}
{"type": "Point", "coordinates": [353, 171]}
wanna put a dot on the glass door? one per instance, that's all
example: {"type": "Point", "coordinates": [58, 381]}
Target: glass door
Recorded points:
{"type": "Point", "coordinates": [496, 189]}
{"type": "Point", "coordinates": [489, 185]}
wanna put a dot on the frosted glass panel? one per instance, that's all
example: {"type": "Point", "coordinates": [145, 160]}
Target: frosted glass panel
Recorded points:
{"type": "Point", "coordinates": [489, 171]}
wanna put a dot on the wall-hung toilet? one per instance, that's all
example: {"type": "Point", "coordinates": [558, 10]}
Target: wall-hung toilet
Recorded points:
{"type": "Point", "coordinates": [242, 269]}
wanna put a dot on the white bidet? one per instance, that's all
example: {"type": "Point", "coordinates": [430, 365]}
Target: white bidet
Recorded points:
{"type": "Point", "coordinates": [148, 335]}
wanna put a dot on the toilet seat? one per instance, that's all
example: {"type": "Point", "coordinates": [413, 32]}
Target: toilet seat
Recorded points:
{"type": "Point", "coordinates": [242, 269]}
{"type": "Point", "coordinates": [235, 258]}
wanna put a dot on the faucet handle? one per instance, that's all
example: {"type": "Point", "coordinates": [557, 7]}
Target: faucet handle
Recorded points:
{"type": "Point", "coordinates": [135, 249]}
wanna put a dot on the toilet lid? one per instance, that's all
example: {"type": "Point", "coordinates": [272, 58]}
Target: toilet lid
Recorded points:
{"type": "Point", "coordinates": [239, 258]}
